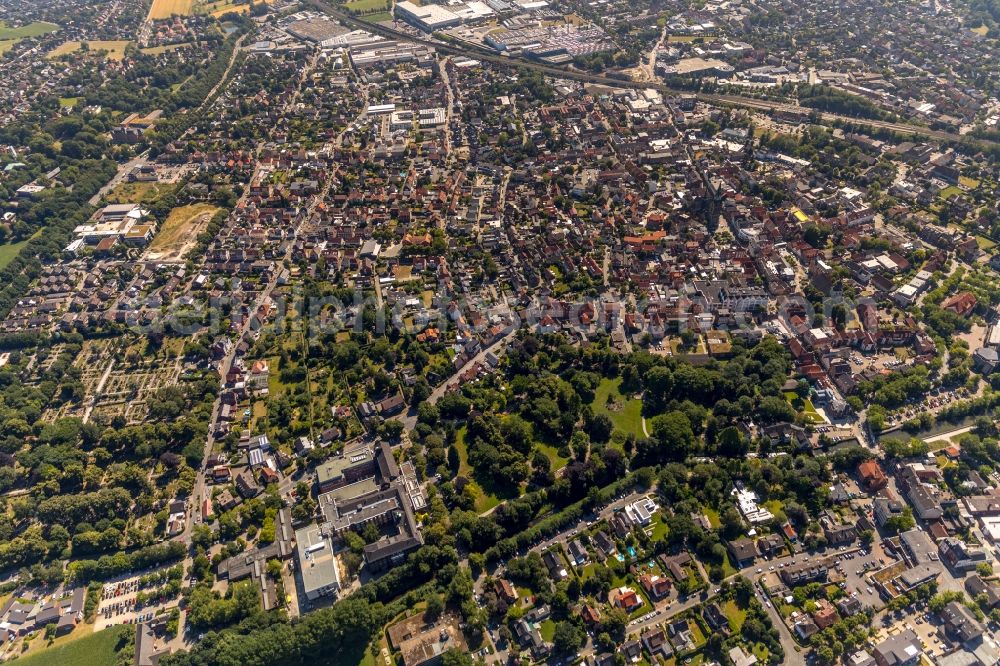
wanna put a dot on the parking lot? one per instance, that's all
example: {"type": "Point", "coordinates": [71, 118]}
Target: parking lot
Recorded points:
{"type": "Point", "coordinates": [117, 605]}
{"type": "Point", "coordinates": [855, 567]}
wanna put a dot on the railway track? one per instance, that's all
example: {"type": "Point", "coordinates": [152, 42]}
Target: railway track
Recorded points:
{"type": "Point", "coordinates": [476, 52]}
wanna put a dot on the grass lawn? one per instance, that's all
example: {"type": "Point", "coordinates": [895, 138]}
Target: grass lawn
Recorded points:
{"type": "Point", "coordinates": [35, 29]}
{"type": "Point", "coordinates": [97, 649]}
{"type": "Point", "coordinates": [69, 101]}
{"type": "Point", "coordinates": [804, 406]}
{"type": "Point", "coordinates": [156, 50]}
{"type": "Point", "coordinates": [365, 5]}
{"type": "Point", "coordinates": [735, 614]}
{"type": "Point", "coordinates": [548, 630]}
{"type": "Point", "coordinates": [484, 500]}
{"type": "Point", "coordinates": [727, 567]}
{"type": "Point", "coordinates": [381, 17]}
{"type": "Point", "coordinates": [982, 30]}
{"type": "Point", "coordinates": [985, 243]}
{"type": "Point", "coordinates": [696, 634]}
{"type": "Point", "coordinates": [712, 515]}
{"type": "Point", "coordinates": [626, 415]}
{"type": "Point", "coordinates": [659, 529]}
{"type": "Point", "coordinates": [221, 7]}
{"type": "Point", "coordinates": [949, 192]}
{"type": "Point", "coordinates": [115, 49]}
{"type": "Point", "coordinates": [9, 251]}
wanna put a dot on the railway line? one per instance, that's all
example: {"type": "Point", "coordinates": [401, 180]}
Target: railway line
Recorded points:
{"type": "Point", "coordinates": [477, 52]}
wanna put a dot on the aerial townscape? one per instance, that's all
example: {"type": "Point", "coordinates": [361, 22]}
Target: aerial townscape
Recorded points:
{"type": "Point", "coordinates": [500, 332]}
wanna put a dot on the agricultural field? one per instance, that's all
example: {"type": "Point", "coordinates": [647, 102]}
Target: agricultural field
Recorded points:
{"type": "Point", "coordinates": [179, 231]}
{"type": "Point", "coordinates": [114, 49]}
{"type": "Point", "coordinates": [164, 9]}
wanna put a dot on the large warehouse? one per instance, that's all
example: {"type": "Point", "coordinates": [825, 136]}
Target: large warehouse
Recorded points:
{"type": "Point", "coordinates": [427, 17]}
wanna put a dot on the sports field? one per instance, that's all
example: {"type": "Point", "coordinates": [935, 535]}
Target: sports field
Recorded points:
{"type": "Point", "coordinates": [164, 9]}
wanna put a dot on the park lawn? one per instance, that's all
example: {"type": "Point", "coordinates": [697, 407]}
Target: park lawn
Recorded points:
{"type": "Point", "coordinates": [114, 49]}
{"type": "Point", "coordinates": [96, 649]}
{"type": "Point", "coordinates": [735, 614]}
{"type": "Point", "coordinates": [139, 192]}
{"type": "Point", "coordinates": [484, 501]}
{"type": "Point", "coordinates": [626, 414]}
{"type": "Point", "coordinates": [949, 192]}
{"type": "Point", "coordinates": [552, 453]}
{"type": "Point", "coordinates": [36, 29]}
{"type": "Point", "coordinates": [985, 243]}
{"type": "Point", "coordinates": [463, 453]}
{"type": "Point", "coordinates": [179, 224]}
{"type": "Point", "coordinates": [8, 251]}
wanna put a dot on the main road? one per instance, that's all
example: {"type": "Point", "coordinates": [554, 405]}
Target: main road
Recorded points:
{"type": "Point", "coordinates": [477, 52]}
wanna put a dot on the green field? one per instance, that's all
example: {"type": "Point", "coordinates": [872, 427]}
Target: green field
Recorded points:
{"type": "Point", "coordinates": [626, 415]}
{"type": "Point", "coordinates": [143, 192]}
{"type": "Point", "coordinates": [380, 17]}
{"type": "Point", "coordinates": [97, 649]}
{"type": "Point", "coordinates": [558, 462]}
{"type": "Point", "coordinates": [735, 614]}
{"type": "Point", "coordinates": [366, 5]}
{"type": "Point", "coordinates": [30, 30]}
{"type": "Point", "coordinates": [949, 192]}
{"type": "Point", "coordinates": [804, 406]}
{"type": "Point", "coordinates": [9, 250]}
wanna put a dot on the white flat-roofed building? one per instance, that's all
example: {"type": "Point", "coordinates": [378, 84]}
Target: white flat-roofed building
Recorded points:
{"type": "Point", "coordinates": [381, 109]}
{"type": "Point", "coordinates": [317, 565]}
{"type": "Point", "coordinates": [427, 17]}
{"type": "Point", "coordinates": [432, 117]}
